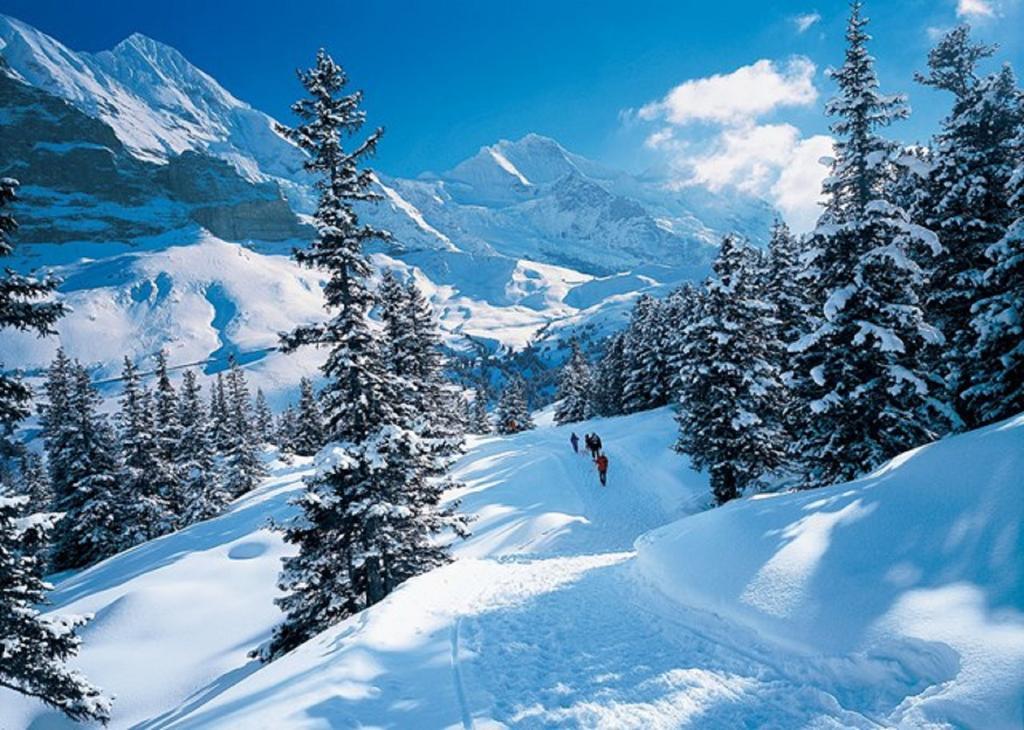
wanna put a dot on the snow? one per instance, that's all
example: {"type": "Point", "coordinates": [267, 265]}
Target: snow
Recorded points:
{"type": "Point", "coordinates": [507, 166]}
{"type": "Point", "coordinates": [910, 578]}
{"type": "Point", "coordinates": [891, 601]}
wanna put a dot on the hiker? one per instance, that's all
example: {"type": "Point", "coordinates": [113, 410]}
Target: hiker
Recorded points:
{"type": "Point", "coordinates": [589, 442]}
{"type": "Point", "coordinates": [575, 441]}
{"type": "Point", "coordinates": [597, 445]}
{"type": "Point", "coordinates": [602, 469]}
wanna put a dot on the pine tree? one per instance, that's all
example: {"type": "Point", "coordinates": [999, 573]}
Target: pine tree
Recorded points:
{"type": "Point", "coordinates": [34, 648]}
{"type": "Point", "coordinates": [34, 482]}
{"type": "Point", "coordinates": [730, 383]}
{"type": "Point", "coordinates": [263, 419]}
{"type": "Point", "coordinates": [574, 388]}
{"type": "Point", "coordinates": [24, 306]}
{"type": "Point", "coordinates": [967, 200]}
{"type": "Point", "coordinates": [201, 478]}
{"type": "Point", "coordinates": [996, 385]}
{"type": "Point", "coordinates": [287, 428]}
{"type": "Point", "coordinates": [220, 428]}
{"type": "Point", "coordinates": [307, 436]}
{"type": "Point", "coordinates": [166, 440]}
{"type": "Point", "coordinates": [95, 504]}
{"type": "Point", "coordinates": [53, 413]}
{"type": "Point", "coordinates": [609, 377]}
{"type": "Point", "coordinates": [480, 421]}
{"type": "Point", "coordinates": [513, 414]}
{"type": "Point", "coordinates": [142, 468]}
{"type": "Point", "coordinates": [368, 517]}
{"type": "Point", "coordinates": [682, 308]}
{"type": "Point", "coordinates": [858, 367]}
{"type": "Point", "coordinates": [646, 380]}
{"type": "Point", "coordinates": [243, 465]}
{"type": "Point", "coordinates": [438, 403]}
{"type": "Point", "coordinates": [353, 370]}
{"type": "Point", "coordinates": [784, 284]}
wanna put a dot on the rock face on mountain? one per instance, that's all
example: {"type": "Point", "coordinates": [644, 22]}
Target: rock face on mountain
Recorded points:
{"type": "Point", "coordinates": [80, 183]}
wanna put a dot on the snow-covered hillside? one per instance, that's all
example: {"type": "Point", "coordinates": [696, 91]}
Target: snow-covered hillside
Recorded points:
{"type": "Point", "coordinates": [550, 617]}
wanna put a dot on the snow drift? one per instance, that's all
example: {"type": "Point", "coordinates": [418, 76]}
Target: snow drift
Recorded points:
{"type": "Point", "coordinates": [918, 565]}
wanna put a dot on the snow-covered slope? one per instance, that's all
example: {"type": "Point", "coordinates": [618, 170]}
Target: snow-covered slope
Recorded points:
{"type": "Point", "coordinates": [549, 617]}
{"type": "Point", "coordinates": [913, 575]}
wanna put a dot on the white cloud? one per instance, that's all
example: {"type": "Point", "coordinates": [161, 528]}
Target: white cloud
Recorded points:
{"type": "Point", "coordinates": [797, 190]}
{"type": "Point", "coordinates": [746, 157]}
{"type": "Point", "coordinates": [975, 8]}
{"type": "Point", "coordinates": [805, 21]}
{"type": "Point", "coordinates": [733, 148]}
{"type": "Point", "coordinates": [749, 91]}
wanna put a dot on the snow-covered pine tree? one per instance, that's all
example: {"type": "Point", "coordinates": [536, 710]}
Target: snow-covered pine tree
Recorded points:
{"type": "Point", "coordinates": [574, 388]}
{"type": "Point", "coordinates": [263, 419]}
{"type": "Point", "coordinates": [785, 287]}
{"type": "Point", "coordinates": [34, 482]}
{"type": "Point", "coordinates": [682, 308]}
{"type": "Point", "coordinates": [353, 370]}
{"type": "Point", "coordinates": [167, 439]}
{"type": "Point", "coordinates": [858, 371]}
{"type": "Point", "coordinates": [729, 382]}
{"type": "Point", "coordinates": [201, 477]}
{"type": "Point", "coordinates": [646, 380]}
{"type": "Point", "coordinates": [220, 429]}
{"type": "Point", "coordinates": [480, 420]}
{"type": "Point", "coordinates": [967, 200]}
{"type": "Point", "coordinates": [609, 377]}
{"type": "Point", "coordinates": [369, 515]}
{"type": "Point", "coordinates": [146, 512]}
{"type": "Point", "coordinates": [307, 436]}
{"type": "Point", "coordinates": [243, 465]}
{"type": "Point", "coordinates": [34, 648]}
{"type": "Point", "coordinates": [996, 387]}
{"type": "Point", "coordinates": [25, 306]}
{"type": "Point", "coordinates": [513, 413]}
{"type": "Point", "coordinates": [784, 284]}
{"type": "Point", "coordinates": [53, 413]}
{"type": "Point", "coordinates": [286, 428]}
{"type": "Point", "coordinates": [96, 505]}
{"type": "Point", "coordinates": [438, 402]}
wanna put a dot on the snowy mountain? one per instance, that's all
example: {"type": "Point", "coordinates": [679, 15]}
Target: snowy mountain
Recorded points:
{"type": "Point", "coordinates": [891, 601]}
{"type": "Point", "coordinates": [128, 156]}
{"type": "Point", "coordinates": [157, 103]}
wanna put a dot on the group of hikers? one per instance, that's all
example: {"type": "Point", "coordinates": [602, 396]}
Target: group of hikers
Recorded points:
{"type": "Point", "coordinates": [592, 443]}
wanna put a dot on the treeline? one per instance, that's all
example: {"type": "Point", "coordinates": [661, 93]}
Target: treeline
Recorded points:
{"type": "Point", "coordinates": [166, 458]}
{"type": "Point", "coordinates": [898, 319]}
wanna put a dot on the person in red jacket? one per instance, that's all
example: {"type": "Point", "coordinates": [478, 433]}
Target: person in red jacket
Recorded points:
{"type": "Point", "coordinates": [602, 468]}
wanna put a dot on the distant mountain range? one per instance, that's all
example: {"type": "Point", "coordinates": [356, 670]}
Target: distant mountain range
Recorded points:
{"type": "Point", "coordinates": [126, 154]}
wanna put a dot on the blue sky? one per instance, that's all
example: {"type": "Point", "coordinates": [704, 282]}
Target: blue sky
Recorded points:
{"type": "Point", "coordinates": [447, 77]}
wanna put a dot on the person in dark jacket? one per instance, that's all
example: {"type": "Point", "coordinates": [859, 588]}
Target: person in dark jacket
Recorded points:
{"type": "Point", "coordinates": [597, 445]}
{"type": "Point", "coordinates": [575, 441]}
{"type": "Point", "coordinates": [602, 469]}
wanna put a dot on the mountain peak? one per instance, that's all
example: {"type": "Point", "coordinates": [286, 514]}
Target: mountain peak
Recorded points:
{"type": "Point", "coordinates": [141, 43]}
